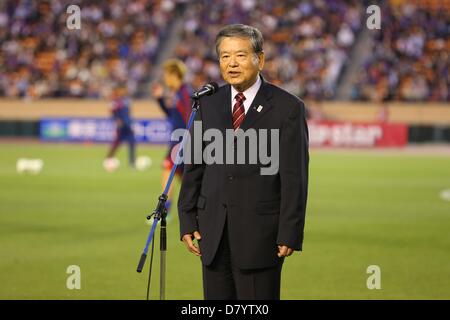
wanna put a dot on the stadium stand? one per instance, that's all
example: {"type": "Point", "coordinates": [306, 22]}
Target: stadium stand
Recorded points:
{"type": "Point", "coordinates": [307, 43]}
{"type": "Point", "coordinates": [118, 42]}
{"type": "Point", "coordinates": [410, 60]}
{"type": "Point", "coordinates": [308, 46]}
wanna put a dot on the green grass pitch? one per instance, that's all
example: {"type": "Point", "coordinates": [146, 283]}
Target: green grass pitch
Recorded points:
{"type": "Point", "coordinates": [364, 209]}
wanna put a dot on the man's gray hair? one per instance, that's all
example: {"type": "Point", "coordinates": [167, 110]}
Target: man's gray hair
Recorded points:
{"type": "Point", "coordinates": [241, 31]}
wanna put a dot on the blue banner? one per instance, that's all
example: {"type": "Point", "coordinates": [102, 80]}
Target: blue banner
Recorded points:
{"type": "Point", "coordinates": [102, 130]}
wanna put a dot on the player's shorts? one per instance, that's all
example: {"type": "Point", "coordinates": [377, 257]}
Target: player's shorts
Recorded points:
{"type": "Point", "coordinates": [124, 133]}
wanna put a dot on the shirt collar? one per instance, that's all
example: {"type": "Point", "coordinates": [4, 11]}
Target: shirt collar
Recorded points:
{"type": "Point", "coordinates": [249, 94]}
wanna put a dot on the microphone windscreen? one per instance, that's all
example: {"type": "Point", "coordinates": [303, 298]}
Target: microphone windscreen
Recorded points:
{"type": "Point", "coordinates": [214, 85]}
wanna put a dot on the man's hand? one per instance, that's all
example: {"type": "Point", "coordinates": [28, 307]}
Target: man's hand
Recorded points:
{"type": "Point", "coordinates": [187, 239]}
{"type": "Point", "coordinates": [157, 90]}
{"type": "Point", "coordinates": [284, 251]}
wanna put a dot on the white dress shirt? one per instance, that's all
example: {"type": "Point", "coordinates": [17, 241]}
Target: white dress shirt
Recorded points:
{"type": "Point", "coordinates": [249, 94]}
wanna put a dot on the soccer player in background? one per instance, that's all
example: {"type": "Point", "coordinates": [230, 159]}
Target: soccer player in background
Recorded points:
{"type": "Point", "coordinates": [120, 109]}
{"type": "Point", "coordinates": [177, 111]}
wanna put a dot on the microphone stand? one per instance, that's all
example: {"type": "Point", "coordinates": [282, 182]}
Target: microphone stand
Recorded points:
{"type": "Point", "coordinates": [160, 213]}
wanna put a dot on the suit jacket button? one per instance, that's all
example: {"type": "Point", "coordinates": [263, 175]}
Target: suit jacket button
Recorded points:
{"type": "Point", "coordinates": [230, 177]}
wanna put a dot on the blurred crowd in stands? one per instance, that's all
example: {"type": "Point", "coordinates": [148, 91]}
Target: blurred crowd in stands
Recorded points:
{"type": "Point", "coordinates": [308, 45]}
{"type": "Point", "coordinates": [410, 57]}
{"type": "Point", "coordinates": [117, 43]}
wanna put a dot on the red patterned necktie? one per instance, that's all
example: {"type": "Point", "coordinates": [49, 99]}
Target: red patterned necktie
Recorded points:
{"type": "Point", "coordinates": [238, 110]}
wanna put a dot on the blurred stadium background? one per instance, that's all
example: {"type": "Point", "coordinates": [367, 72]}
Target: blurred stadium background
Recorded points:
{"type": "Point", "coordinates": [379, 119]}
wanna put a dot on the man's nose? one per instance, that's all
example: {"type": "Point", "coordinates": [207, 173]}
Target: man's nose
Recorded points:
{"type": "Point", "coordinates": [233, 62]}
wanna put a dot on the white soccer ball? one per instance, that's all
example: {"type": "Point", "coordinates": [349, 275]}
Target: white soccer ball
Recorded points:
{"type": "Point", "coordinates": [445, 195]}
{"type": "Point", "coordinates": [33, 166]}
{"type": "Point", "coordinates": [21, 165]}
{"type": "Point", "coordinates": [111, 164]}
{"type": "Point", "coordinates": [143, 163]}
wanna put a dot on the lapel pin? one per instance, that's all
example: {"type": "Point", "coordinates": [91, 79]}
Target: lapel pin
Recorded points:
{"type": "Point", "coordinates": [259, 108]}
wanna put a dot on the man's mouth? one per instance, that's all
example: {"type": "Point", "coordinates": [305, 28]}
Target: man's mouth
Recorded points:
{"type": "Point", "coordinates": [234, 74]}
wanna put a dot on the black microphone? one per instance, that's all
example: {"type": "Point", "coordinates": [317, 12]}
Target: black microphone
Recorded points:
{"type": "Point", "coordinates": [207, 90]}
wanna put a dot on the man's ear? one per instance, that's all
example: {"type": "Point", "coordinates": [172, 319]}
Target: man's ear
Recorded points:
{"type": "Point", "coordinates": [261, 60]}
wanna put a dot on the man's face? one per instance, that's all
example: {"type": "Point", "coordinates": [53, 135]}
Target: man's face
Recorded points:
{"type": "Point", "coordinates": [170, 79]}
{"type": "Point", "coordinates": [238, 63]}
{"type": "Point", "coordinates": [118, 93]}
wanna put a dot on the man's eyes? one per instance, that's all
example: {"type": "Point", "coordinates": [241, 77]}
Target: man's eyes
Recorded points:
{"type": "Point", "coordinates": [239, 56]}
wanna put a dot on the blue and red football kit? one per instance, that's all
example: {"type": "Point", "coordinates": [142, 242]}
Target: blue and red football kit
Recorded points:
{"type": "Point", "coordinates": [120, 109]}
{"type": "Point", "coordinates": [178, 115]}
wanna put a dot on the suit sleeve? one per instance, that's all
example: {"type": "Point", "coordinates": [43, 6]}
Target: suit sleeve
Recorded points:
{"type": "Point", "coordinates": [190, 185]}
{"type": "Point", "coordinates": [293, 170]}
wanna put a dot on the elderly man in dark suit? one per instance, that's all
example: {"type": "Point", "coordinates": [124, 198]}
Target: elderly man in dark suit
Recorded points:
{"type": "Point", "coordinates": [244, 222]}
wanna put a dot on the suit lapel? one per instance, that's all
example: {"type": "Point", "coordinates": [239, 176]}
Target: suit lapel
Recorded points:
{"type": "Point", "coordinates": [261, 103]}
{"type": "Point", "coordinates": [225, 108]}
{"type": "Point", "coordinates": [259, 106]}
